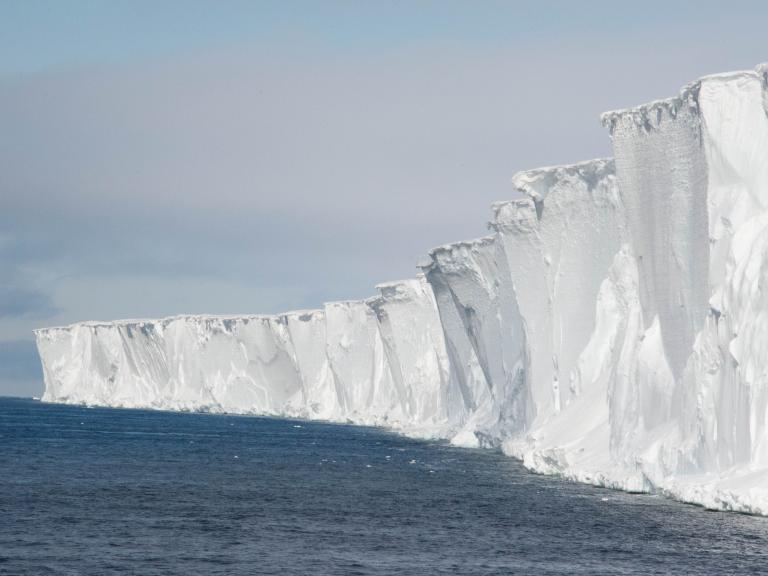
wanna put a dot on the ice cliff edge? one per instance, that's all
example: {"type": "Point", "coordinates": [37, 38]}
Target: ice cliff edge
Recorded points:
{"type": "Point", "coordinates": [612, 327]}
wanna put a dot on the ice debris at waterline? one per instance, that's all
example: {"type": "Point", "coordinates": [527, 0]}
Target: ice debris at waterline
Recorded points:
{"type": "Point", "coordinates": [612, 329]}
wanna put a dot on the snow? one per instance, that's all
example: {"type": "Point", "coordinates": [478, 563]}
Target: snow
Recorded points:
{"type": "Point", "coordinates": [612, 328]}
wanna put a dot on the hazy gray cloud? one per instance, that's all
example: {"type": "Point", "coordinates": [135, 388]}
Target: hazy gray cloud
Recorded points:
{"type": "Point", "coordinates": [20, 370]}
{"type": "Point", "coordinates": [18, 301]}
{"type": "Point", "coordinates": [19, 297]}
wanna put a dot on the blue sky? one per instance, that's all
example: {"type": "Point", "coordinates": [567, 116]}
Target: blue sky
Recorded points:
{"type": "Point", "coordinates": [239, 157]}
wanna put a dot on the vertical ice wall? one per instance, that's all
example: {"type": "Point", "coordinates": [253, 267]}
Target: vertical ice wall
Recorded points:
{"type": "Point", "coordinates": [694, 176]}
{"type": "Point", "coordinates": [104, 363]}
{"type": "Point", "coordinates": [259, 375]}
{"type": "Point", "coordinates": [560, 242]}
{"type": "Point", "coordinates": [663, 177]}
{"type": "Point", "coordinates": [485, 335]}
{"type": "Point", "coordinates": [415, 350]}
{"type": "Point", "coordinates": [380, 361]}
{"type": "Point", "coordinates": [321, 393]}
{"type": "Point", "coordinates": [735, 134]}
{"type": "Point", "coordinates": [358, 363]}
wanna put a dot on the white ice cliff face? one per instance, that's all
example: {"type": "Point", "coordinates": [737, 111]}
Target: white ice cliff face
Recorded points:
{"type": "Point", "coordinates": [485, 338]}
{"type": "Point", "coordinates": [695, 169]}
{"type": "Point", "coordinates": [612, 329]}
{"type": "Point", "coordinates": [380, 361]}
{"type": "Point", "coordinates": [414, 348]}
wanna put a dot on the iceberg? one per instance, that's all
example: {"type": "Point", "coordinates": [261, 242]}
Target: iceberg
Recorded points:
{"type": "Point", "coordinates": [612, 328]}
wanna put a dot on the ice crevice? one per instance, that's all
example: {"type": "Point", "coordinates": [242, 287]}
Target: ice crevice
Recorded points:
{"type": "Point", "coordinates": [612, 328]}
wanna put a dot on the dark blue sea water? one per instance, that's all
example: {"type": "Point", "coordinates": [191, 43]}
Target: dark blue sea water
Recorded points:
{"type": "Point", "coordinates": [101, 491]}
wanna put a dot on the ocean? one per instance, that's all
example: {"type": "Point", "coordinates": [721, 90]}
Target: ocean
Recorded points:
{"type": "Point", "coordinates": [110, 491]}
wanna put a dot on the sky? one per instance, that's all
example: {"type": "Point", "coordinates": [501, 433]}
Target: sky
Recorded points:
{"type": "Point", "coordinates": [226, 157]}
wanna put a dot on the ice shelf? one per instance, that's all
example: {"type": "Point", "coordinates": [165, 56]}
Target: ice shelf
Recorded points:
{"type": "Point", "coordinates": [612, 329]}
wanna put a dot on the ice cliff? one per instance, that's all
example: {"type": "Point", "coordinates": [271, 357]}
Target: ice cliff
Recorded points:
{"type": "Point", "coordinates": [612, 328]}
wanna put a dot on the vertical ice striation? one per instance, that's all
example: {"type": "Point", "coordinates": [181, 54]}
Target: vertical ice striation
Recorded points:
{"type": "Point", "coordinates": [307, 332]}
{"type": "Point", "coordinates": [415, 350]}
{"type": "Point", "coordinates": [560, 242]}
{"type": "Point", "coordinates": [484, 333]}
{"type": "Point", "coordinates": [613, 328]}
{"type": "Point", "coordinates": [564, 244]}
{"type": "Point", "coordinates": [357, 360]}
{"type": "Point", "coordinates": [735, 137]}
{"type": "Point", "coordinates": [663, 177]}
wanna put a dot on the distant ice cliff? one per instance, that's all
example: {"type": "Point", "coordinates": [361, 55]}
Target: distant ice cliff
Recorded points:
{"type": "Point", "coordinates": [612, 329]}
